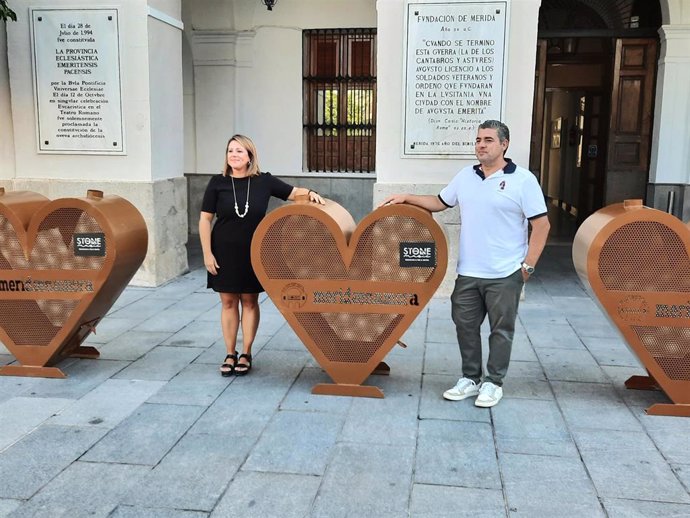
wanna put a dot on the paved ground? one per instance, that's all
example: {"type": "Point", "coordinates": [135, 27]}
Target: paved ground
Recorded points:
{"type": "Point", "coordinates": [152, 430]}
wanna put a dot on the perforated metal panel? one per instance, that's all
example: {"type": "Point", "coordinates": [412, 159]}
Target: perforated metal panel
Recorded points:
{"type": "Point", "coordinates": [53, 293]}
{"type": "Point", "coordinates": [30, 322]}
{"type": "Point", "coordinates": [644, 256]}
{"type": "Point", "coordinates": [636, 260]}
{"type": "Point", "coordinates": [349, 292]}
{"type": "Point", "coordinates": [54, 246]}
{"type": "Point", "coordinates": [346, 337]}
{"type": "Point", "coordinates": [670, 347]}
{"type": "Point", "coordinates": [376, 257]}
{"type": "Point", "coordinates": [36, 322]}
{"type": "Point", "coordinates": [301, 247]}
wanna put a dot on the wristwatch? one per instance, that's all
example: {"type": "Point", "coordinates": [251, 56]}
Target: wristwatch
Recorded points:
{"type": "Point", "coordinates": [529, 269]}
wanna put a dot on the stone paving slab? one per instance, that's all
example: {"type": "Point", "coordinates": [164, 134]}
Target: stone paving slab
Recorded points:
{"type": "Point", "coordinates": [28, 465]}
{"type": "Point", "coordinates": [183, 442]}
{"type": "Point", "coordinates": [450, 502]}
{"type": "Point", "coordinates": [451, 453]}
{"type": "Point", "coordinates": [161, 363]}
{"type": "Point", "coordinates": [108, 404]}
{"type": "Point", "coordinates": [11, 386]}
{"type": "Point", "coordinates": [532, 427]}
{"type": "Point", "coordinates": [143, 309]}
{"type": "Point", "coordinates": [84, 489]}
{"type": "Point", "coordinates": [7, 506]}
{"type": "Point", "coordinates": [594, 406]}
{"type": "Point", "coordinates": [126, 511]}
{"type": "Point", "coordinates": [554, 336]}
{"type": "Point", "coordinates": [194, 475]}
{"type": "Point", "coordinates": [111, 327]}
{"type": "Point", "coordinates": [268, 495]}
{"type": "Point", "coordinates": [358, 471]}
{"type": "Point", "coordinates": [196, 384]}
{"type": "Point", "coordinates": [196, 334]}
{"type": "Point", "coordinates": [570, 365]}
{"type": "Point", "coordinates": [296, 442]}
{"type": "Point", "coordinates": [20, 415]}
{"type": "Point", "coordinates": [617, 508]}
{"type": "Point", "coordinates": [560, 488]}
{"type": "Point", "coordinates": [82, 377]}
{"type": "Point", "coordinates": [131, 345]}
{"type": "Point", "coordinates": [610, 351]}
{"type": "Point", "coordinates": [146, 435]}
{"type": "Point", "coordinates": [628, 465]}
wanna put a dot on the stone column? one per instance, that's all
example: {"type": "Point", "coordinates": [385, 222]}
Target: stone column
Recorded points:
{"type": "Point", "coordinates": [213, 53]}
{"type": "Point", "coordinates": [668, 170]}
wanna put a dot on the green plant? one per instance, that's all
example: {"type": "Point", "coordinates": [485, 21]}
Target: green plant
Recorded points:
{"type": "Point", "coordinates": [6, 12]}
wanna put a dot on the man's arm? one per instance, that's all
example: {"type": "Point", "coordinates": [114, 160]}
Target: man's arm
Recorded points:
{"type": "Point", "coordinates": [428, 201]}
{"type": "Point", "coordinates": [537, 241]}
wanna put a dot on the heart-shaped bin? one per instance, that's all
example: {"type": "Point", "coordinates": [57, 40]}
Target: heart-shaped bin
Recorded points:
{"type": "Point", "coordinates": [349, 292]}
{"type": "Point", "coordinates": [636, 260]}
{"type": "Point", "coordinates": [63, 263]}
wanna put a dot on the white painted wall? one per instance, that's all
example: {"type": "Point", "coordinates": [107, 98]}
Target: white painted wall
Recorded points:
{"type": "Point", "coordinates": [6, 129]}
{"type": "Point", "coordinates": [672, 108]}
{"type": "Point", "coordinates": [255, 84]}
{"type": "Point", "coordinates": [165, 98]}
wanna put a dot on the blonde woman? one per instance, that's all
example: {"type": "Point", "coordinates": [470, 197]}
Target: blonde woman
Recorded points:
{"type": "Point", "coordinates": [238, 199]}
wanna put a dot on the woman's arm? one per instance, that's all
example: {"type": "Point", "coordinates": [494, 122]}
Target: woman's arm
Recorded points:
{"type": "Point", "coordinates": [205, 237]}
{"type": "Point", "coordinates": [303, 191]}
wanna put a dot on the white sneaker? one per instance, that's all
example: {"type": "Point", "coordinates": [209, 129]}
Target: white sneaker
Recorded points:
{"type": "Point", "coordinates": [489, 395]}
{"type": "Point", "coordinates": [464, 388]}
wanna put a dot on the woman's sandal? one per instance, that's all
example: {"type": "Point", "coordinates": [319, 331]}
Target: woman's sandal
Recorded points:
{"type": "Point", "coordinates": [242, 369]}
{"type": "Point", "coordinates": [228, 369]}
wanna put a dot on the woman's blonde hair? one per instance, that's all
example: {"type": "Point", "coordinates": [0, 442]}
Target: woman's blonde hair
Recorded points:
{"type": "Point", "coordinates": [247, 144]}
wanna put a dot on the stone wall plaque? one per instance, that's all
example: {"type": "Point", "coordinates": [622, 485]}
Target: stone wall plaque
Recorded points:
{"type": "Point", "coordinates": [76, 68]}
{"type": "Point", "coordinates": [454, 74]}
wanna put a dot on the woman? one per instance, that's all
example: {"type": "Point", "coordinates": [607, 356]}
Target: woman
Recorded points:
{"type": "Point", "coordinates": [239, 198]}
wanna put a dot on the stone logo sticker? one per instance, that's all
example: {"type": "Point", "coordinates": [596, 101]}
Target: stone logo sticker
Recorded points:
{"type": "Point", "coordinates": [89, 245]}
{"type": "Point", "coordinates": [415, 255]}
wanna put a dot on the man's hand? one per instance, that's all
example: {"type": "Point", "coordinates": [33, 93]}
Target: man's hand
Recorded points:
{"type": "Point", "coordinates": [395, 199]}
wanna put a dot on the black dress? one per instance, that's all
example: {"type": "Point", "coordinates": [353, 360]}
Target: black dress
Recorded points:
{"type": "Point", "coordinates": [231, 237]}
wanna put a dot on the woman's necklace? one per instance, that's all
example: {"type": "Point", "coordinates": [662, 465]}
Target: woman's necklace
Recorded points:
{"type": "Point", "coordinates": [246, 205]}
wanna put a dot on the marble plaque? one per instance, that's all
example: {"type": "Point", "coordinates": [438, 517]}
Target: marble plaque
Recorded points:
{"type": "Point", "coordinates": [454, 74]}
{"type": "Point", "coordinates": [76, 67]}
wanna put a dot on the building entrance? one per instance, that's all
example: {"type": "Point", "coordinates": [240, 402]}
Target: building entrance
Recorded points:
{"type": "Point", "coordinates": [593, 103]}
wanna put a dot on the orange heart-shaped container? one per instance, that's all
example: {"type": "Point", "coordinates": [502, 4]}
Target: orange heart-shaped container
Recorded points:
{"type": "Point", "coordinates": [349, 292]}
{"type": "Point", "coordinates": [636, 260]}
{"type": "Point", "coordinates": [63, 263]}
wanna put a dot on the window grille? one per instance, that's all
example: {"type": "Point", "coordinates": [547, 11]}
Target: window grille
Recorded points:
{"type": "Point", "coordinates": [339, 73]}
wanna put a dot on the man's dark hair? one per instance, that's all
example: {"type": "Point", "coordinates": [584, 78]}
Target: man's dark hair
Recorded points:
{"type": "Point", "coordinates": [501, 129]}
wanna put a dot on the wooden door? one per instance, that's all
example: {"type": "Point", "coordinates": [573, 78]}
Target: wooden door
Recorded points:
{"type": "Point", "coordinates": [594, 109]}
{"type": "Point", "coordinates": [632, 99]}
{"type": "Point", "coordinates": [538, 110]}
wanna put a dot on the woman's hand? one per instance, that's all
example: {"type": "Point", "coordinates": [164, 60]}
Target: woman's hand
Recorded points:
{"type": "Point", "coordinates": [316, 198]}
{"type": "Point", "coordinates": [211, 264]}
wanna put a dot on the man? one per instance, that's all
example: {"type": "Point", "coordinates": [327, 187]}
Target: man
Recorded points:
{"type": "Point", "coordinates": [497, 199]}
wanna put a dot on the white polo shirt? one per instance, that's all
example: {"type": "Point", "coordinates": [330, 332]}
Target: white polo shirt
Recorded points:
{"type": "Point", "coordinates": [493, 214]}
